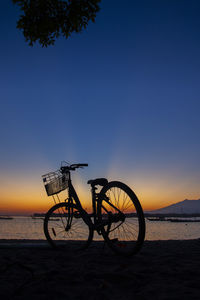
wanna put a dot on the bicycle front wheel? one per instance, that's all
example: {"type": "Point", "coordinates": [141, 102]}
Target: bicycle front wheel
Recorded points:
{"type": "Point", "coordinates": [67, 226]}
{"type": "Point", "coordinates": [122, 218]}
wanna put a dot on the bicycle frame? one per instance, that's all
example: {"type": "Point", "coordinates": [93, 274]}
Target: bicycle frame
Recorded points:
{"type": "Point", "coordinates": [96, 201]}
{"type": "Point", "coordinates": [73, 196]}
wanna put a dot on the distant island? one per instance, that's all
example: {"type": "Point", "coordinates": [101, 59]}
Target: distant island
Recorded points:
{"type": "Point", "coordinates": [185, 207]}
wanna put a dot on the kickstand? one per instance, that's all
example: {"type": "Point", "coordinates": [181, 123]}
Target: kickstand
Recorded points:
{"type": "Point", "coordinates": [107, 231]}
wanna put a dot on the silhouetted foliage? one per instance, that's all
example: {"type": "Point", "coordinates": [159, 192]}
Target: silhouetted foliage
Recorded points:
{"type": "Point", "coordinates": [46, 20]}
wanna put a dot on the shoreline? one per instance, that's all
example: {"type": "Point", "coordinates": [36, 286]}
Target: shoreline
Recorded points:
{"type": "Point", "coordinates": [44, 241]}
{"type": "Point", "coordinates": [95, 241]}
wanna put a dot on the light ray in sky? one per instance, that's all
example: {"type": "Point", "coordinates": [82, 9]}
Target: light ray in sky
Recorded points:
{"type": "Point", "coordinates": [122, 97]}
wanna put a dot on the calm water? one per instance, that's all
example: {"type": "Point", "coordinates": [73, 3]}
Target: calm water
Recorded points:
{"type": "Point", "coordinates": [28, 228]}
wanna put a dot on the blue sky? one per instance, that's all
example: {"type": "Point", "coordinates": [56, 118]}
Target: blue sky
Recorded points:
{"type": "Point", "coordinates": [123, 96]}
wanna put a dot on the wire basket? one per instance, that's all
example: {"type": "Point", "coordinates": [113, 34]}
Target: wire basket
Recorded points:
{"type": "Point", "coordinates": [55, 182]}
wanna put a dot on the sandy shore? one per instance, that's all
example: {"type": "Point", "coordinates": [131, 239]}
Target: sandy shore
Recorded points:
{"type": "Point", "coordinates": [162, 270]}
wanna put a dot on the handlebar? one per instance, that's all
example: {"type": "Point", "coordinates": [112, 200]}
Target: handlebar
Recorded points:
{"type": "Point", "coordinates": [72, 167]}
{"type": "Point", "coordinates": [79, 165]}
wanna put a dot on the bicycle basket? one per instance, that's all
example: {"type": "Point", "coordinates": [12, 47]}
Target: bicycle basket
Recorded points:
{"type": "Point", "coordinates": [55, 182]}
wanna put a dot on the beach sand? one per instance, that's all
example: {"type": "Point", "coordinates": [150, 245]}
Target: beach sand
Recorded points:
{"type": "Point", "coordinates": [162, 270]}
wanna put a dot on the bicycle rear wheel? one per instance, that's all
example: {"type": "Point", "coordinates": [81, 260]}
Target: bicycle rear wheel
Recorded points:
{"type": "Point", "coordinates": [122, 218]}
{"type": "Point", "coordinates": [67, 226]}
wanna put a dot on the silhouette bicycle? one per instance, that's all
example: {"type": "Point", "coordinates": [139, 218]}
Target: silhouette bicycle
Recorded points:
{"type": "Point", "coordinates": [117, 214]}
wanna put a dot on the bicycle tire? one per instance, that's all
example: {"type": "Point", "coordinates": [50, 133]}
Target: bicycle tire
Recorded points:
{"type": "Point", "coordinates": [123, 237]}
{"type": "Point", "coordinates": [77, 237]}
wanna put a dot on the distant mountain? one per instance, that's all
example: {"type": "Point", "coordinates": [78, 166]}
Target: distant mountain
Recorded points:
{"type": "Point", "coordinates": [183, 207]}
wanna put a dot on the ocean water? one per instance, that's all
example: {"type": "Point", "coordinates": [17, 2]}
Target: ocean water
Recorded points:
{"type": "Point", "coordinates": [28, 228]}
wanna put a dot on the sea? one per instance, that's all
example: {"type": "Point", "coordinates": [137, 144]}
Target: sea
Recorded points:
{"type": "Point", "coordinates": [28, 228]}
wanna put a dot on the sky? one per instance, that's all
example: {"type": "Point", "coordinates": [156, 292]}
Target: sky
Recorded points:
{"type": "Point", "coordinates": [122, 96]}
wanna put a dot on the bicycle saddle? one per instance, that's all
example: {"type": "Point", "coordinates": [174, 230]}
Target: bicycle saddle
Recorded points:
{"type": "Point", "coordinates": [98, 181]}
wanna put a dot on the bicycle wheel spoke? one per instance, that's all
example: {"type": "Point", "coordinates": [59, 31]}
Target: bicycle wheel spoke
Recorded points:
{"type": "Point", "coordinates": [124, 201]}
{"type": "Point", "coordinates": [65, 230]}
{"type": "Point", "coordinates": [126, 231]}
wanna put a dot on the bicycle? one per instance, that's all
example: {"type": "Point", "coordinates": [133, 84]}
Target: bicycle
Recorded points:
{"type": "Point", "coordinates": [117, 215]}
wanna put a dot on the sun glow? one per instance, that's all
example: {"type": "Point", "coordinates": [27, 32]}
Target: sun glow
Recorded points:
{"type": "Point", "coordinates": [25, 195]}
{"type": "Point", "coordinates": [155, 189]}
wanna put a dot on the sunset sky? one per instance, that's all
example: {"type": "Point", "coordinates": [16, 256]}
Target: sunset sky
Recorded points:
{"type": "Point", "coordinates": [122, 96]}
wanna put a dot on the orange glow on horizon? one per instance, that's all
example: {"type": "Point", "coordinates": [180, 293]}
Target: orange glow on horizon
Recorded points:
{"type": "Point", "coordinates": [40, 203]}
{"type": "Point", "coordinates": [26, 195]}
{"type": "Point", "coordinates": [37, 206]}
